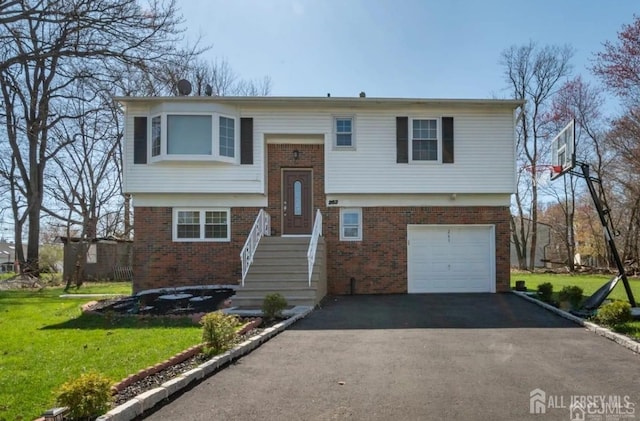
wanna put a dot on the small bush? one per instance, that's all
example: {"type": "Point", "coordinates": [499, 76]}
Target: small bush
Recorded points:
{"type": "Point", "coordinates": [218, 332]}
{"type": "Point", "coordinates": [273, 305]}
{"type": "Point", "coordinates": [545, 291]}
{"type": "Point", "coordinates": [572, 294]}
{"type": "Point", "coordinates": [614, 313]}
{"type": "Point", "coordinates": [88, 396]}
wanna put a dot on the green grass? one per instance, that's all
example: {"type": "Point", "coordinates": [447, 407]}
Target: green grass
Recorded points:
{"type": "Point", "coordinates": [589, 285]}
{"type": "Point", "coordinates": [46, 341]}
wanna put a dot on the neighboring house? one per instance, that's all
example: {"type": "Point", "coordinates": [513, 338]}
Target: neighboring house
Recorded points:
{"type": "Point", "coordinates": [542, 244]}
{"type": "Point", "coordinates": [7, 256]}
{"type": "Point", "coordinates": [414, 194]}
{"type": "Point", "coordinates": [106, 258]}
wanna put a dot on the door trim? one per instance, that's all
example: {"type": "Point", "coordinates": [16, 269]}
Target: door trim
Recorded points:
{"type": "Point", "coordinates": [282, 197]}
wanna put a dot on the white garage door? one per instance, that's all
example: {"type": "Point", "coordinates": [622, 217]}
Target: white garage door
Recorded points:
{"type": "Point", "coordinates": [450, 258]}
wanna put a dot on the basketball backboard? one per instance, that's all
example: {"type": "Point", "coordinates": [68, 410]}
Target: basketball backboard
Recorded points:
{"type": "Point", "coordinates": [563, 148]}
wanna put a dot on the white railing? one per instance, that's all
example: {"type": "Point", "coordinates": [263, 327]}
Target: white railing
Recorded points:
{"type": "Point", "coordinates": [313, 244]}
{"type": "Point", "coordinates": [261, 227]}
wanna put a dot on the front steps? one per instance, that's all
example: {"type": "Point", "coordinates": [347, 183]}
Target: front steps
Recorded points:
{"type": "Point", "coordinates": [280, 266]}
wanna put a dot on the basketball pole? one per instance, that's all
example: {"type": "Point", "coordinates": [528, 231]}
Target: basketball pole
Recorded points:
{"type": "Point", "coordinates": [606, 225]}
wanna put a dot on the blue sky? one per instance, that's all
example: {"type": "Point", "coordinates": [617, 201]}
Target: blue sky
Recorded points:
{"type": "Point", "coordinates": [401, 48]}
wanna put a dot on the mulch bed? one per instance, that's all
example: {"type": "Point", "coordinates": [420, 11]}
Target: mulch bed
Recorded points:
{"type": "Point", "coordinates": [157, 379]}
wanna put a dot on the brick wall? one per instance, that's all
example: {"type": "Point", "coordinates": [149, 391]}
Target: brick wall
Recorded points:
{"type": "Point", "coordinates": [379, 262]}
{"type": "Point", "coordinates": [279, 157]}
{"type": "Point", "coordinates": [160, 262]}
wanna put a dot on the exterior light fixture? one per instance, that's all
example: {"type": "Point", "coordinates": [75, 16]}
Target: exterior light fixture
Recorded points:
{"type": "Point", "coordinates": [296, 154]}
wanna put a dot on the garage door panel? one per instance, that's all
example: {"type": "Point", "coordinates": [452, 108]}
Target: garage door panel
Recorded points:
{"type": "Point", "coordinates": [447, 258]}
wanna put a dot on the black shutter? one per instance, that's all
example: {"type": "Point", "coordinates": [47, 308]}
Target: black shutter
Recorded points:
{"type": "Point", "coordinates": [246, 141]}
{"type": "Point", "coordinates": [139, 140]}
{"type": "Point", "coordinates": [402, 140]}
{"type": "Point", "coordinates": [447, 140]}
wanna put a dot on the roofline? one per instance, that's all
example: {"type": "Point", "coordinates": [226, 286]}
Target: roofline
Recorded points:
{"type": "Point", "coordinates": [349, 101]}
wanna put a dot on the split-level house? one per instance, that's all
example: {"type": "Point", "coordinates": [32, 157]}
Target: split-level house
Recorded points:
{"type": "Point", "coordinates": [308, 196]}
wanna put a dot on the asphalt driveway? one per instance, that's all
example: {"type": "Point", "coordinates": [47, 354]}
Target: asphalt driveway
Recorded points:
{"type": "Point", "coordinates": [420, 357]}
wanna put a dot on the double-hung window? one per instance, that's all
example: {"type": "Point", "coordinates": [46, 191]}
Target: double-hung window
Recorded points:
{"type": "Point", "coordinates": [424, 140]}
{"type": "Point", "coordinates": [344, 135]}
{"type": "Point", "coordinates": [201, 225]}
{"type": "Point", "coordinates": [351, 224]}
{"type": "Point", "coordinates": [227, 137]}
{"type": "Point", "coordinates": [156, 136]}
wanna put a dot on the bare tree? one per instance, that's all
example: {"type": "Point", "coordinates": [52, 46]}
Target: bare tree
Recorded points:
{"type": "Point", "coordinates": [85, 174]}
{"type": "Point", "coordinates": [580, 101]}
{"type": "Point", "coordinates": [532, 74]}
{"type": "Point", "coordinates": [46, 47]}
{"type": "Point", "coordinates": [618, 66]}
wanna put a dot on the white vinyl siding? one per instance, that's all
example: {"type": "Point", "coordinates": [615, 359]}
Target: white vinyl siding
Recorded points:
{"type": "Point", "coordinates": [201, 225]}
{"type": "Point", "coordinates": [484, 157]}
{"type": "Point", "coordinates": [484, 153]}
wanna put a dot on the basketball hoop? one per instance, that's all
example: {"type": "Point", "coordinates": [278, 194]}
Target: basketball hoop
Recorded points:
{"type": "Point", "coordinates": [541, 168]}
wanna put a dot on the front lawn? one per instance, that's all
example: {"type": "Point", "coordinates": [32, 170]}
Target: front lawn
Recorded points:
{"type": "Point", "coordinates": [589, 285]}
{"type": "Point", "coordinates": [47, 341]}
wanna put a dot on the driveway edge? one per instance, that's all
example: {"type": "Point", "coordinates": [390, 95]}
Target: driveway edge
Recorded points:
{"type": "Point", "coordinates": [626, 342]}
{"type": "Point", "coordinates": [147, 400]}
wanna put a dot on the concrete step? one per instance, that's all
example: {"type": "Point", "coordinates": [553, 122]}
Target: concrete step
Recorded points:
{"type": "Point", "coordinates": [280, 276]}
{"type": "Point", "coordinates": [285, 240]}
{"type": "Point", "coordinates": [285, 292]}
{"type": "Point", "coordinates": [283, 268]}
{"type": "Point", "coordinates": [280, 283]}
{"type": "Point", "coordinates": [257, 300]}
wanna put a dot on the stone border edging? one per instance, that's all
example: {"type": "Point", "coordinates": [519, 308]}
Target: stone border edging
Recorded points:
{"type": "Point", "coordinates": [147, 400]}
{"type": "Point", "coordinates": [176, 359]}
{"type": "Point", "coordinates": [626, 342]}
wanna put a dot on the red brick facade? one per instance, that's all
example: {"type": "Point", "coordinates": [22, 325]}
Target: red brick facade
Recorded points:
{"type": "Point", "coordinates": [160, 262]}
{"type": "Point", "coordinates": [378, 263]}
{"type": "Point", "coordinates": [281, 157]}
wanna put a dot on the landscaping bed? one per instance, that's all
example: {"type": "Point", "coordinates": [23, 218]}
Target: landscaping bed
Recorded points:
{"type": "Point", "coordinates": [557, 290]}
{"type": "Point", "coordinates": [124, 392]}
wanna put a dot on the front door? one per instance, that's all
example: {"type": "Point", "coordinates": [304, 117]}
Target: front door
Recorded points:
{"type": "Point", "coordinates": [297, 212]}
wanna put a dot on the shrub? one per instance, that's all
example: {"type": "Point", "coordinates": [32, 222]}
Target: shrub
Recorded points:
{"type": "Point", "coordinates": [273, 305]}
{"type": "Point", "coordinates": [614, 313]}
{"type": "Point", "coordinates": [218, 332]}
{"type": "Point", "coordinates": [572, 294]}
{"type": "Point", "coordinates": [87, 397]}
{"type": "Point", "coordinates": [545, 291]}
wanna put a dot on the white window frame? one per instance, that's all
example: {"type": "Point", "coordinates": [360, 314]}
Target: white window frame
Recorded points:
{"type": "Point", "coordinates": [151, 156]}
{"type": "Point", "coordinates": [343, 211]}
{"type": "Point", "coordinates": [334, 130]}
{"type": "Point", "coordinates": [202, 211]}
{"type": "Point", "coordinates": [215, 140]}
{"type": "Point", "coordinates": [236, 139]}
{"type": "Point", "coordinates": [438, 140]}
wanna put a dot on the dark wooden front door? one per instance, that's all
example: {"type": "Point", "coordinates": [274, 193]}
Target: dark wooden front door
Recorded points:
{"type": "Point", "coordinates": [297, 211]}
